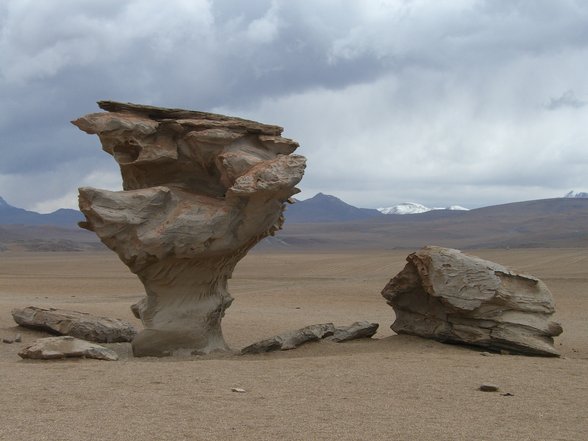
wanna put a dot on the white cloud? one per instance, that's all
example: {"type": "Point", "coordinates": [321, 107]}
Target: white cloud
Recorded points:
{"type": "Point", "coordinates": [406, 135]}
{"type": "Point", "coordinates": [265, 29]}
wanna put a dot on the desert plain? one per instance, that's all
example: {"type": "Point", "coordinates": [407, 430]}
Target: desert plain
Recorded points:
{"type": "Point", "coordinates": [391, 387]}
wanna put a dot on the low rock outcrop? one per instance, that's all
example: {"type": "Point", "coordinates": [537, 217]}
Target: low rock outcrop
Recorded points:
{"type": "Point", "coordinates": [291, 340]}
{"type": "Point", "coordinates": [326, 331]}
{"type": "Point", "coordinates": [52, 348]}
{"type": "Point", "coordinates": [76, 324]}
{"type": "Point", "coordinates": [448, 296]}
{"type": "Point", "coordinates": [200, 190]}
{"type": "Point", "coordinates": [353, 332]}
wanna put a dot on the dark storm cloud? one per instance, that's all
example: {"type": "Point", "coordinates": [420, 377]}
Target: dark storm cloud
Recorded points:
{"type": "Point", "coordinates": [388, 98]}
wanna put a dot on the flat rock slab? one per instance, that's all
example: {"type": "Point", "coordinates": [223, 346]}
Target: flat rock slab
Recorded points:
{"type": "Point", "coordinates": [327, 331]}
{"type": "Point", "coordinates": [76, 324]}
{"type": "Point", "coordinates": [449, 296]}
{"type": "Point", "coordinates": [54, 348]}
{"type": "Point", "coordinates": [355, 331]}
{"type": "Point", "coordinates": [291, 340]}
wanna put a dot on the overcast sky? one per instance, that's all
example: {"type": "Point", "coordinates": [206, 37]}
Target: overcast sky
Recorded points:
{"type": "Point", "coordinates": [439, 102]}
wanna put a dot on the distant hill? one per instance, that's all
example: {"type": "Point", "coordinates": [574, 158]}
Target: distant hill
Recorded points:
{"type": "Point", "coordinates": [10, 215]}
{"type": "Point", "coordinates": [325, 208]}
{"type": "Point", "coordinates": [325, 222]}
{"type": "Point", "coordinates": [47, 238]}
{"type": "Point", "coordinates": [21, 229]}
{"type": "Point", "coordinates": [561, 222]}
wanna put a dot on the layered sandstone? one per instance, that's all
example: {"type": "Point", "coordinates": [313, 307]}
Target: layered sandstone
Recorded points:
{"type": "Point", "coordinates": [199, 191]}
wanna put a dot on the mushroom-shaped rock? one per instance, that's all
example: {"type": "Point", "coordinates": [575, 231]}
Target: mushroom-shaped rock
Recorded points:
{"type": "Point", "coordinates": [200, 190]}
{"type": "Point", "coordinates": [448, 296]}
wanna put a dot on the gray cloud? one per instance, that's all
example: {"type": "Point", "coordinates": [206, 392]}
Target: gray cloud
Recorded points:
{"type": "Point", "coordinates": [568, 99]}
{"type": "Point", "coordinates": [438, 102]}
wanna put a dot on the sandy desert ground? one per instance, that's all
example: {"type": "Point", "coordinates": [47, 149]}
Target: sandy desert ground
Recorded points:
{"type": "Point", "coordinates": [388, 388]}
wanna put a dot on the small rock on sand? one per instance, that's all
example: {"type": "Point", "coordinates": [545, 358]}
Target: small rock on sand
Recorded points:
{"type": "Point", "coordinates": [488, 387]}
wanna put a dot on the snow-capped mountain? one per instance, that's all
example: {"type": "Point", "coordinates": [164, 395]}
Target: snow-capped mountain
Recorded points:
{"type": "Point", "coordinates": [414, 208]}
{"type": "Point", "coordinates": [453, 207]}
{"type": "Point", "coordinates": [571, 194]}
{"type": "Point", "coordinates": [405, 208]}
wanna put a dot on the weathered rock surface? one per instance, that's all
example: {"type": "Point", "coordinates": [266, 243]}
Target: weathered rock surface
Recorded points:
{"type": "Point", "coordinates": [51, 348]}
{"type": "Point", "coordinates": [200, 190]}
{"type": "Point", "coordinates": [291, 340]}
{"type": "Point", "coordinates": [76, 324]}
{"type": "Point", "coordinates": [355, 331]}
{"type": "Point", "coordinates": [326, 331]}
{"type": "Point", "coordinates": [451, 297]}
{"type": "Point", "coordinates": [9, 340]}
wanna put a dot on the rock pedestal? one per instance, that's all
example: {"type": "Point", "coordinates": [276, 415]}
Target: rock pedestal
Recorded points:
{"type": "Point", "coordinates": [200, 190]}
{"type": "Point", "coordinates": [451, 297]}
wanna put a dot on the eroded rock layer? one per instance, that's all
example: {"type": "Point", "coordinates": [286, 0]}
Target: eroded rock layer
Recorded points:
{"type": "Point", "coordinates": [52, 348]}
{"type": "Point", "coordinates": [200, 190]}
{"type": "Point", "coordinates": [76, 324]}
{"type": "Point", "coordinates": [452, 297]}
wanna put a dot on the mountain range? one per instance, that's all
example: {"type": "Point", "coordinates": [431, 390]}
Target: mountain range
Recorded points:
{"type": "Point", "coordinates": [326, 222]}
{"type": "Point", "coordinates": [414, 208]}
{"type": "Point", "coordinates": [64, 217]}
{"type": "Point", "coordinates": [559, 222]}
{"type": "Point", "coordinates": [326, 208]}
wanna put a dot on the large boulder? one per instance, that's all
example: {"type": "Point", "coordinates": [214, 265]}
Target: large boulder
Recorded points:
{"type": "Point", "coordinates": [76, 324]}
{"type": "Point", "coordinates": [52, 348]}
{"type": "Point", "coordinates": [200, 190]}
{"type": "Point", "coordinates": [449, 296]}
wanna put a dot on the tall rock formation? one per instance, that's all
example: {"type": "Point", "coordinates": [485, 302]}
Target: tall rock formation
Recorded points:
{"type": "Point", "coordinates": [200, 190]}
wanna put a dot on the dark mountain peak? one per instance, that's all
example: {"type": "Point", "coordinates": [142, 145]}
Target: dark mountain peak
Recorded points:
{"type": "Point", "coordinates": [64, 217]}
{"type": "Point", "coordinates": [5, 207]}
{"type": "Point", "coordinates": [326, 199]}
{"type": "Point", "coordinates": [326, 208]}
